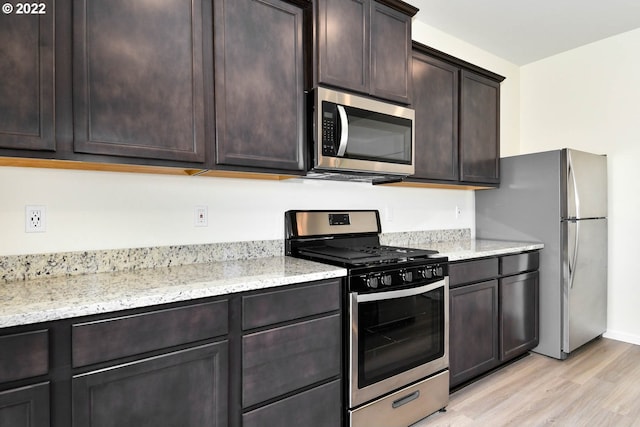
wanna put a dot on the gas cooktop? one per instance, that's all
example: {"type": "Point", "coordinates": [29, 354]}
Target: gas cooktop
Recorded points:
{"type": "Point", "coordinates": [365, 255]}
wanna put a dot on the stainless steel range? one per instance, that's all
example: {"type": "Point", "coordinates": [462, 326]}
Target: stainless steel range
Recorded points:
{"type": "Point", "coordinates": [397, 325]}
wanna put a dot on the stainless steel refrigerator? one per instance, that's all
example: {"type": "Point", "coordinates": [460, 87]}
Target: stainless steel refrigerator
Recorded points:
{"type": "Point", "coordinates": [558, 198]}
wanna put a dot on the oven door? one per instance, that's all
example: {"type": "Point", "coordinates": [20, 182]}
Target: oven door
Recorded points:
{"type": "Point", "coordinates": [397, 337]}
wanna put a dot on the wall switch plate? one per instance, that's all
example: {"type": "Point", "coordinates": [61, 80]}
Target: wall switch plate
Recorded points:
{"type": "Point", "coordinates": [35, 219]}
{"type": "Point", "coordinates": [458, 212]}
{"type": "Point", "coordinates": [201, 216]}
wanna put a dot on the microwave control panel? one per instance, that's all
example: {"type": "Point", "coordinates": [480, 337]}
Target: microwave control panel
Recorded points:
{"type": "Point", "coordinates": [328, 129]}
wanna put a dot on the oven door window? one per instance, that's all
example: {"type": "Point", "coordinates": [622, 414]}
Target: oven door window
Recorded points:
{"type": "Point", "coordinates": [396, 335]}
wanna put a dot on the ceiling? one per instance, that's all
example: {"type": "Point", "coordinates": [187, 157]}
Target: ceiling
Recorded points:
{"type": "Point", "coordinates": [526, 31]}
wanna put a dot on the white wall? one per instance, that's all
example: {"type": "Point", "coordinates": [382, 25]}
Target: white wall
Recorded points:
{"type": "Point", "coordinates": [588, 99]}
{"type": "Point", "coordinates": [106, 210]}
{"type": "Point", "coordinates": [509, 89]}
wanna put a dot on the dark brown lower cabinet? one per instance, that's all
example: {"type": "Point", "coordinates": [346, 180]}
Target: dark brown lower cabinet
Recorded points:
{"type": "Point", "coordinates": [186, 388]}
{"type": "Point", "coordinates": [519, 314]}
{"type": "Point", "coordinates": [25, 406]}
{"type": "Point", "coordinates": [292, 356]}
{"type": "Point", "coordinates": [260, 358]}
{"type": "Point", "coordinates": [473, 330]}
{"type": "Point", "coordinates": [318, 407]}
{"type": "Point", "coordinates": [281, 360]}
{"type": "Point", "coordinates": [493, 318]}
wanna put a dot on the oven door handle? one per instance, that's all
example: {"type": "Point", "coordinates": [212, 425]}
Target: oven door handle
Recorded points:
{"type": "Point", "coordinates": [381, 296]}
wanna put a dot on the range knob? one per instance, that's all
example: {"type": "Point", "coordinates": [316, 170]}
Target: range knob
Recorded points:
{"type": "Point", "coordinates": [386, 279]}
{"type": "Point", "coordinates": [439, 271]}
{"type": "Point", "coordinates": [407, 276]}
{"type": "Point", "coordinates": [426, 273]}
{"type": "Point", "coordinates": [371, 282]}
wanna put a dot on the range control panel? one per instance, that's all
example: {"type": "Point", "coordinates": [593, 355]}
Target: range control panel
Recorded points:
{"type": "Point", "coordinates": [379, 281]}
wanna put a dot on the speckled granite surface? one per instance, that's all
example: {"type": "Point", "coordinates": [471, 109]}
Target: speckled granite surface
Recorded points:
{"type": "Point", "coordinates": [410, 239]}
{"type": "Point", "coordinates": [46, 299]}
{"type": "Point", "coordinates": [39, 288]}
{"type": "Point", "coordinates": [25, 267]}
{"type": "Point", "coordinates": [471, 248]}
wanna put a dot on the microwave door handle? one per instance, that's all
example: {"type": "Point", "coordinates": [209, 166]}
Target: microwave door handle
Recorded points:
{"type": "Point", "coordinates": [344, 131]}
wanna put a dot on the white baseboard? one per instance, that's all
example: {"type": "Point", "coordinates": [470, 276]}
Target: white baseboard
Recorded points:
{"type": "Point", "coordinates": [622, 336]}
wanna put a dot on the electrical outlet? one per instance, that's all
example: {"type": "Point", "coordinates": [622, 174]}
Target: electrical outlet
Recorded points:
{"type": "Point", "coordinates": [201, 218]}
{"type": "Point", "coordinates": [458, 212]}
{"type": "Point", "coordinates": [35, 219]}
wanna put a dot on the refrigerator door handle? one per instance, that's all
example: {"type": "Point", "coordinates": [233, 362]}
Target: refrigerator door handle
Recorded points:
{"type": "Point", "coordinates": [571, 176]}
{"type": "Point", "coordinates": [574, 257]}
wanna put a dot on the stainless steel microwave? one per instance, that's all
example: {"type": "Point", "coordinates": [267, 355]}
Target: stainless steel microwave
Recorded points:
{"type": "Point", "coordinates": [362, 135]}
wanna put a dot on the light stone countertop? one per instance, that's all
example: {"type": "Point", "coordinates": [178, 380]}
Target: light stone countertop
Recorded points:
{"type": "Point", "coordinates": [471, 248]}
{"type": "Point", "coordinates": [47, 299]}
{"type": "Point", "coordinates": [24, 302]}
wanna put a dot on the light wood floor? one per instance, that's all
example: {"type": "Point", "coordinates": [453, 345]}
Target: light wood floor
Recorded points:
{"type": "Point", "coordinates": [598, 385]}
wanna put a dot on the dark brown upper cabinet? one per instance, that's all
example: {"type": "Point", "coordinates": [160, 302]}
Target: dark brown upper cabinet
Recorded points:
{"type": "Point", "coordinates": [435, 100]}
{"type": "Point", "coordinates": [139, 78]}
{"type": "Point", "coordinates": [27, 55]}
{"type": "Point", "coordinates": [457, 108]}
{"type": "Point", "coordinates": [364, 46]}
{"type": "Point", "coordinates": [259, 85]}
{"type": "Point", "coordinates": [479, 129]}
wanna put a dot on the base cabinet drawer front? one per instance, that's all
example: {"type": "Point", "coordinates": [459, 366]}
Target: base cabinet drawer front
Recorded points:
{"type": "Point", "coordinates": [187, 388]}
{"type": "Point", "coordinates": [318, 407]}
{"type": "Point", "coordinates": [519, 302]}
{"type": "Point", "coordinates": [284, 359]}
{"type": "Point", "coordinates": [473, 330]}
{"type": "Point", "coordinates": [514, 264]}
{"type": "Point", "coordinates": [24, 355]}
{"type": "Point", "coordinates": [269, 308]}
{"type": "Point", "coordinates": [472, 271]}
{"type": "Point", "coordinates": [25, 406]}
{"type": "Point", "coordinates": [105, 340]}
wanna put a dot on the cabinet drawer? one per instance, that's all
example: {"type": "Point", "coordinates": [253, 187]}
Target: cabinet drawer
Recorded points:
{"type": "Point", "coordinates": [514, 264]}
{"type": "Point", "coordinates": [24, 355]}
{"type": "Point", "coordinates": [318, 407]}
{"type": "Point", "coordinates": [110, 339]}
{"type": "Point", "coordinates": [281, 360]}
{"type": "Point", "coordinates": [280, 306]}
{"type": "Point", "coordinates": [472, 271]}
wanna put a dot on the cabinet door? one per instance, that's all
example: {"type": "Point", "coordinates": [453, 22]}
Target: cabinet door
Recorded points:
{"type": "Point", "coordinates": [25, 406]}
{"type": "Point", "coordinates": [139, 78]}
{"type": "Point", "coordinates": [473, 330]}
{"type": "Point", "coordinates": [518, 314]}
{"type": "Point", "coordinates": [435, 100]}
{"type": "Point", "coordinates": [187, 388]}
{"type": "Point", "coordinates": [27, 82]}
{"type": "Point", "coordinates": [479, 129]}
{"type": "Point", "coordinates": [343, 43]}
{"type": "Point", "coordinates": [259, 84]}
{"type": "Point", "coordinates": [390, 53]}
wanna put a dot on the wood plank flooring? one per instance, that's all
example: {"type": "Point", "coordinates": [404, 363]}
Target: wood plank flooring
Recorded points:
{"type": "Point", "coordinates": [598, 385]}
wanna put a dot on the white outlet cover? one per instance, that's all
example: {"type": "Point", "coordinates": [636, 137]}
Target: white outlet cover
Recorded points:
{"type": "Point", "coordinates": [35, 220]}
{"type": "Point", "coordinates": [201, 216]}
